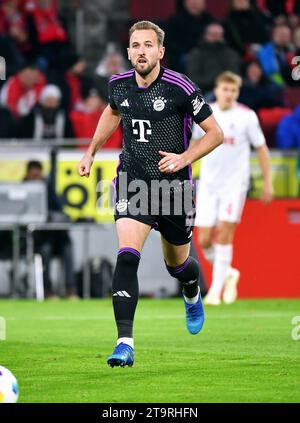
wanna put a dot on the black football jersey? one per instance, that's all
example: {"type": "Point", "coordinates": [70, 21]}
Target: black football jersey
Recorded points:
{"type": "Point", "coordinates": [156, 118]}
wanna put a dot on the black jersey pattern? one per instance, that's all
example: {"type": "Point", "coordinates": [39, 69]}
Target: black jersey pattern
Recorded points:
{"type": "Point", "coordinates": [156, 118]}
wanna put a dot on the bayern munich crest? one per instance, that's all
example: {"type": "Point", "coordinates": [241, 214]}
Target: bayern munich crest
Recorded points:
{"type": "Point", "coordinates": [122, 205]}
{"type": "Point", "coordinates": [159, 103]}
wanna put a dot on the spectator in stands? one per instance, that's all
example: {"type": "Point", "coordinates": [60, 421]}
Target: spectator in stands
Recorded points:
{"type": "Point", "coordinates": [280, 20]}
{"type": "Point", "coordinates": [288, 131]}
{"type": "Point", "coordinates": [78, 82]}
{"type": "Point", "coordinates": [47, 32]}
{"type": "Point", "coordinates": [184, 30]}
{"type": "Point", "coordinates": [73, 81]}
{"type": "Point", "coordinates": [112, 62]}
{"type": "Point", "coordinates": [296, 61]}
{"type": "Point", "coordinates": [246, 26]}
{"type": "Point", "coordinates": [13, 58]}
{"type": "Point", "coordinates": [7, 124]}
{"type": "Point", "coordinates": [296, 41]}
{"type": "Point", "coordinates": [85, 121]}
{"type": "Point", "coordinates": [275, 56]}
{"type": "Point", "coordinates": [21, 92]}
{"type": "Point", "coordinates": [47, 120]}
{"type": "Point", "coordinates": [13, 24]}
{"type": "Point", "coordinates": [10, 14]}
{"type": "Point", "coordinates": [294, 22]}
{"type": "Point", "coordinates": [52, 243]}
{"type": "Point", "coordinates": [282, 7]}
{"type": "Point", "coordinates": [257, 90]}
{"type": "Point", "coordinates": [211, 57]}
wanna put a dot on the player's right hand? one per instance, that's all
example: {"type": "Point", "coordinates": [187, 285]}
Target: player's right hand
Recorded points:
{"type": "Point", "coordinates": [85, 164]}
{"type": "Point", "coordinates": [267, 194]}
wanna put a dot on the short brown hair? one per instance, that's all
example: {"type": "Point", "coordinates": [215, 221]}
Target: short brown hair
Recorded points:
{"type": "Point", "coordinates": [149, 25]}
{"type": "Point", "coordinates": [230, 77]}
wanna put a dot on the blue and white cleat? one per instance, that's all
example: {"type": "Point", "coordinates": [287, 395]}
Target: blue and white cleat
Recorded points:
{"type": "Point", "coordinates": [194, 314]}
{"type": "Point", "coordinates": [123, 355]}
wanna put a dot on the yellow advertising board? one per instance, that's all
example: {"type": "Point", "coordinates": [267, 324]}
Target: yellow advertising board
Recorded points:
{"type": "Point", "coordinates": [87, 197]}
{"type": "Point", "coordinates": [92, 198]}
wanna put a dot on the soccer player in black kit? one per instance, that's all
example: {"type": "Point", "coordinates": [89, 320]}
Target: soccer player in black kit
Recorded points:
{"type": "Point", "coordinates": [156, 106]}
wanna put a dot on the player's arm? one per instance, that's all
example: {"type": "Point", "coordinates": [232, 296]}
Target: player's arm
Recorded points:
{"type": "Point", "coordinates": [213, 138]}
{"type": "Point", "coordinates": [257, 140]}
{"type": "Point", "coordinates": [108, 123]}
{"type": "Point", "coordinates": [264, 162]}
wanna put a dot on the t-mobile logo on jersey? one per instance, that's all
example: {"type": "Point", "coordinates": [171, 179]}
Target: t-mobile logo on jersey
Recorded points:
{"type": "Point", "coordinates": [141, 128]}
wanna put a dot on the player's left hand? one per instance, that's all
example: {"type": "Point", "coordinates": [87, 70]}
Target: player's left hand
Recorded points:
{"type": "Point", "coordinates": [267, 195]}
{"type": "Point", "coordinates": [171, 162]}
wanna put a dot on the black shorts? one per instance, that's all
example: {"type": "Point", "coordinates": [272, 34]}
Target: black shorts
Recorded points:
{"type": "Point", "coordinates": [163, 211]}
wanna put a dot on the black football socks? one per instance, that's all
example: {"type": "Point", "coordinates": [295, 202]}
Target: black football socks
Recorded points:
{"type": "Point", "coordinates": [125, 291]}
{"type": "Point", "coordinates": [187, 273]}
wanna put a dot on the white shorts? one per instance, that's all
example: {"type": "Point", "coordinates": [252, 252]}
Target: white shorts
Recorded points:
{"type": "Point", "coordinates": [213, 207]}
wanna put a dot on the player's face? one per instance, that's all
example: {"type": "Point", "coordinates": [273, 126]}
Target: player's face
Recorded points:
{"type": "Point", "coordinates": [144, 51]}
{"type": "Point", "coordinates": [226, 94]}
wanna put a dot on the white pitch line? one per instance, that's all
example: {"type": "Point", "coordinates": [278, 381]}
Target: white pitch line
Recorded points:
{"type": "Point", "coordinates": [154, 317]}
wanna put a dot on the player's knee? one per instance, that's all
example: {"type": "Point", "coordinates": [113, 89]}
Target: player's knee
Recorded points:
{"type": "Point", "coordinates": [204, 240]}
{"type": "Point", "coordinates": [223, 238]}
{"type": "Point", "coordinates": [128, 258]}
{"type": "Point", "coordinates": [225, 234]}
{"type": "Point", "coordinates": [187, 271]}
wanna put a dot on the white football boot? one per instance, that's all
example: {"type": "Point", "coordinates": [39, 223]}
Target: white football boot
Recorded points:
{"type": "Point", "coordinates": [230, 287]}
{"type": "Point", "coordinates": [212, 299]}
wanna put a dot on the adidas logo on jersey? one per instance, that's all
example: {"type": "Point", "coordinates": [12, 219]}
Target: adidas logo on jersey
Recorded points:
{"type": "Point", "coordinates": [121, 294]}
{"type": "Point", "coordinates": [125, 103]}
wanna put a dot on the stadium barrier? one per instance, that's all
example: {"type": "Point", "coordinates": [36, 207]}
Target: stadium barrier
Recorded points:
{"type": "Point", "coordinates": [81, 196]}
{"type": "Point", "coordinates": [266, 241]}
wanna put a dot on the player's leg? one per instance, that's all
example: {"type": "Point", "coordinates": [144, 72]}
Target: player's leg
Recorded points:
{"type": "Point", "coordinates": [201, 278]}
{"type": "Point", "coordinates": [176, 235]}
{"type": "Point", "coordinates": [131, 237]}
{"type": "Point", "coordinates": [226, 231]}
{"type": "Point", "coordinates": [222, 261]}
{"type": "Point", "coordinates": [230, 213]}
{"type": "Point", "coordinates": [205, 239]}
{"type": "Point", "coordinates": [206, 219]}
{"type": "Point", "coordinates": [183, 267]}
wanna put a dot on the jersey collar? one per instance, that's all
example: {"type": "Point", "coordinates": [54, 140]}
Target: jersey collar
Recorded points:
{"type": "Point", "coordinates": [143, 89]}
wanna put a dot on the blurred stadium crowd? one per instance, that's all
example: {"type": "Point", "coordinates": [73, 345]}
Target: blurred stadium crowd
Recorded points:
{"type": "Point", "coordinates": [55, 82]}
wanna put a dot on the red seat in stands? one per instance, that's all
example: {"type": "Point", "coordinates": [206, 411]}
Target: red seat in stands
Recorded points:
{"type": "Point", "coordinates": [269, 119]}
{"type": "Point", "coordinates": [291, 97]}
{"type": "Point", "coordinates": [152, 9]}
{"type": "Point", "coordinates": [84, 126]}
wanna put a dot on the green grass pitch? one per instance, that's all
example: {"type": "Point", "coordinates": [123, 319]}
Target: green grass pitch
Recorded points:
{"type": "Point", "coordinates": [245, 353]}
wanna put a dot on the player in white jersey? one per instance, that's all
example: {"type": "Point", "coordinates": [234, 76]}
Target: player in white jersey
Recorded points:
{"type": "Point", "coordinates": [224, 181]}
